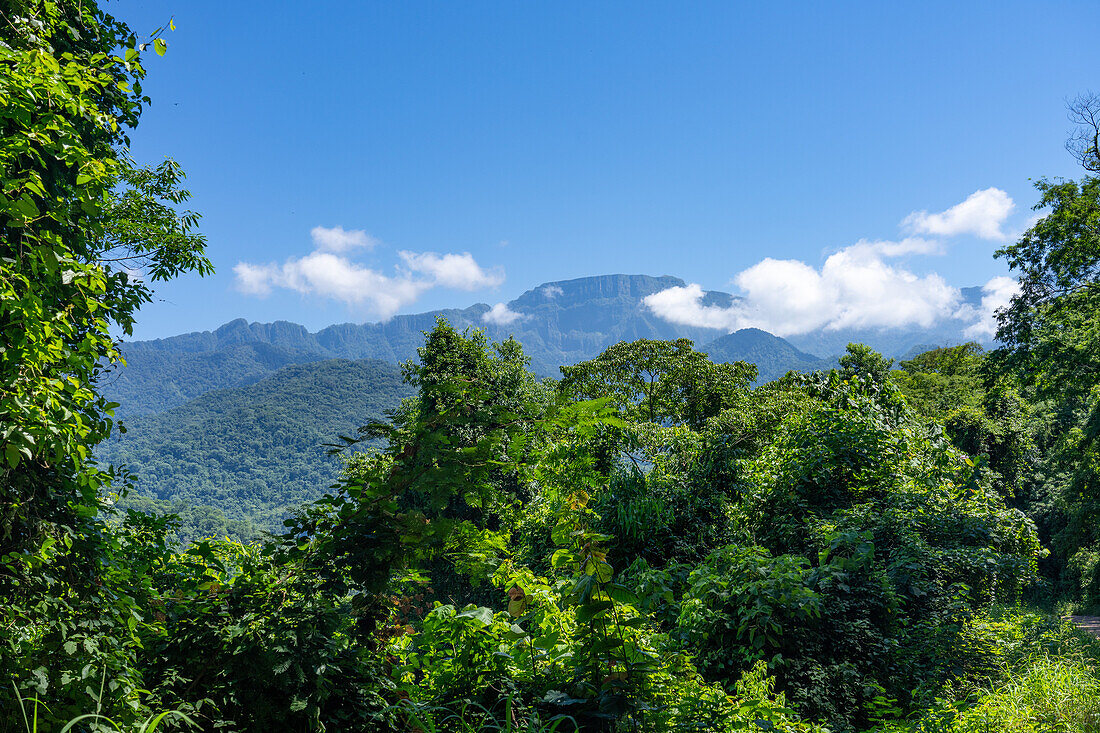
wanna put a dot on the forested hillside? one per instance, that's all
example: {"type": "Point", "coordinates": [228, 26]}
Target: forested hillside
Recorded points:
{"type": "Point", "coordinates": [238, 460]}
{"type": "Point", "coordinates": [219, 469]}
{"type": "Point", "coordinates": [656, 540]}
{"type": "Point", "coordinates": [159, 380]}
{"type": "Point", "coordinates": [772, 356]}
{"type": "Point", "coordinates": [225, 427]}
{"type": "Point", "coordinates": [257, 452]}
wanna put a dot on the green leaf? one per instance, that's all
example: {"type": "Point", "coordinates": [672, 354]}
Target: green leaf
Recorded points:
{"type": "Point", "coordinates": [160, 46]}
{"type": "Point", "coordinates": [562, 533]}
{"type": "Point", "coordinates": [478, 613]}
{"type": "Point", "coordinates": [561, 558]}
{"type": "Point", "coordinates": [590, 610]}
{"type": "Point", "coordinates": [621, 593]}
{"type": "Point", "coordinates": [606, 645]}
{"type": "Point", "coordinates": [517, 606]}
{"type": "Point", "coordinates": [548, 641]}
{"type": "Point", "coordinates": [11, 453]}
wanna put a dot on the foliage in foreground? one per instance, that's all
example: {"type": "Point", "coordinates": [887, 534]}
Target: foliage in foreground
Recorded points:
{"type": "Point", "coordinates": [29, 709]}
{"type": "Point", "coordinates": [1043, 677]}
{"type": "Point", "coordinates": [1051, 696]}
{"type": "Point", "coordinates": [649, 544]}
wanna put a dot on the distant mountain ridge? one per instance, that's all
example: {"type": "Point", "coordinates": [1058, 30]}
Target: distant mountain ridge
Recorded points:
{"type": "Point", "coordinates": [772, 355]}
{"type": "Point", "coordinates": [558, 323]}
{"type": "Point", "coordinates": [234, 419]}
{"type": "Point", "coordinates": [562, 323]}
{"type": "Point", "coordinates": [568, 317]}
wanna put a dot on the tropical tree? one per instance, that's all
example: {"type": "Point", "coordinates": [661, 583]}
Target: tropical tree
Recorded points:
{"type": "Point", "coordinates": [1051, 341]}
{"type": "Point", "coordinates": [659, 381]}
{"type": "Point", "coordinates": [861, 360]}
{"type": "Point", "coordinates": [1050, 330]}
{"type": "Point", "coordinates": [72, 208]}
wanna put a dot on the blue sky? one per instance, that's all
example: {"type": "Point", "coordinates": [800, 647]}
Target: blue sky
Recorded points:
{"type": "Point", "coordinates": [739, 146]}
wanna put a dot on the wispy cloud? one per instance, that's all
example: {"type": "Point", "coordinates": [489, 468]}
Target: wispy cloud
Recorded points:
{"type": "Point", "coordinates": [335, 239]}
{"type": "Point", "coordinates": [982, 214]}
{"type": "Point", "coordinates": [328, 273]}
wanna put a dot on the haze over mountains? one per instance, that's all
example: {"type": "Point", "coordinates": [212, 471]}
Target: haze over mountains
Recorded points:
{"type": "Point", "coordinates": [209, 412]}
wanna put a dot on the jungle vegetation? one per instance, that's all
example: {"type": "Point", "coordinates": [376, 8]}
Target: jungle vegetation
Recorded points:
{"type": "Point", "coordinates": [649, 543]}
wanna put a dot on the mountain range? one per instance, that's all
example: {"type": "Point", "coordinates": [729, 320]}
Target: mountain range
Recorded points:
{"type": "Point", "coordinates": [210, 415]}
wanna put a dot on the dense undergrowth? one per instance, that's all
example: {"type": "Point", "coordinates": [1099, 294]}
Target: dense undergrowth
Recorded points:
{"type": "Point", "coordinates": [650, 543]}
{"type": "Point", "coordinates": [1043, 675]}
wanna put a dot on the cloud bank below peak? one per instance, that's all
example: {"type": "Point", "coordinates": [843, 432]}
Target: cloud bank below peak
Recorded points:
{"type": "Point", "coordinates": [996, 294]}
{"type": "Point", "coordinates": [327, 272]}
{"type": "Point", "coordinates": [861, 286]}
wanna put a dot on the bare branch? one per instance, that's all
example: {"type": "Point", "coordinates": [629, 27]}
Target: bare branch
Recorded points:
{"type": "Point", "coordinates": [1084, 142]}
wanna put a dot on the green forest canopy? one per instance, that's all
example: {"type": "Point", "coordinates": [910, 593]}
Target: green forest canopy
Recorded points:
{"type": "Point", "coordinates": [257, 452]}
{"type": "Point", "coordinates": [648, 544]}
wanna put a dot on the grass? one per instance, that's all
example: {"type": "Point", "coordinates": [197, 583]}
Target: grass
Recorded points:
{"type": "Point", "coordinates": [1046, 680]}
{"type": "Point", "coordinates": [1052, 696]}
{"type": "Point", "coordinates": [95, 721]}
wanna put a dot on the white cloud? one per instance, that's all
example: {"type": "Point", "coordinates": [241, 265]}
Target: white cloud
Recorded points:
{"type": "Point", "coordinates": [855, 288]}
{"type": "Point", "coordinates": [981, 214]}
{"type": "Point", "coordinates": [325, 272]}
{"type": "Point", "coordinates": [335, 277]}
{"type": "Point", "coordinates": [858, 286]}
{"type": "Point", "coordinates": [996, 294]}
{"type": "Point", "coordinates": [907, 246]}
{"type": "Point", "coordinates": [552, 291]}
{"type": "Point", "coordinates": [683, 305]}
{"type": "Point", "coordinates": [501, 315]}
{"type": "Point", "coordinates": [335, 239]}
{"type": "Point", "coordinates": [453, 270]}
{"type": "Point", "coordinates": [254, 279]}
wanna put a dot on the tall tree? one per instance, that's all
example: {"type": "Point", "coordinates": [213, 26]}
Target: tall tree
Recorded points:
{"type": "Point", "coordinates": [982, 416]}
{"type": "Point", "coordinates": [863, 361]}
{"type": "Point", "coordinates": [659, 381]}
{"type": "Point", "coordinates": [1051, 340]}
{"type": "Point", "coordinates": [70, 203]}
{"type": "Point", "coordinates": [1051, 329]}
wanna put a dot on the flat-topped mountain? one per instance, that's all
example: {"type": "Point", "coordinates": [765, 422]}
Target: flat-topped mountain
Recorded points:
{"type": "Point", "coordinates": [210, 413]}
{"type": "Point", "coordinates": [558, 323]}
